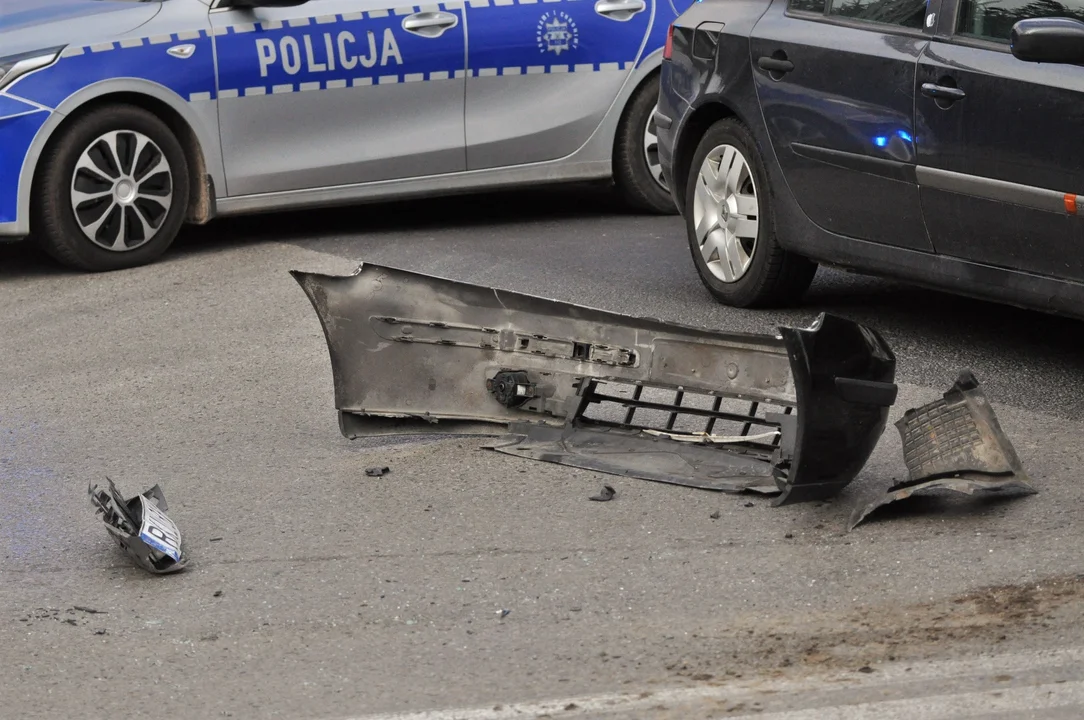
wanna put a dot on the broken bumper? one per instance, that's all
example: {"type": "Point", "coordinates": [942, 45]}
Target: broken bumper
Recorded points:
{"type": "Point", "coordinates": [412, 353]}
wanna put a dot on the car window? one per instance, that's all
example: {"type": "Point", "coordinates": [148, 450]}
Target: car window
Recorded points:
{"type": "Point", "coordinates": [902, 13]}
{"type": "Point", "coordinates": [993, 19]}
{"type": "Point", "coordinates": [809, 6]}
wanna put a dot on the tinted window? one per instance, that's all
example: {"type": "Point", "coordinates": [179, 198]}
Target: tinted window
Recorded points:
{"type": "Point", "coordinates": [903, 13]}
{"type": "Point", "coordinates": [810, 6]}
{"type": "Point", "coordinates": [993, 19]}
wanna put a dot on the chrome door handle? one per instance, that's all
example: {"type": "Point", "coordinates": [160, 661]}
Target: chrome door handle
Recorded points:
{"type": "Point", "coordinates": [943, 92]}
{"type": "Point", "coordinates": [430, 24]}
{"type": "Point", "coordinates": [619, 9]}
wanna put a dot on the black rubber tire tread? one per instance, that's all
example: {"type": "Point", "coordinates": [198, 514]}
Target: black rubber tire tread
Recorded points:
{"type": "Point", "coordinates": [54, 226]}
{"type": "Point", "coordinates": [631, 174]}
{"type": "Point", "coordinates": [776, 277]}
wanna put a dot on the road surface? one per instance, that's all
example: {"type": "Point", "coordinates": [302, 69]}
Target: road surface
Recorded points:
{"type": "Point", "coordinates": [318, 593]}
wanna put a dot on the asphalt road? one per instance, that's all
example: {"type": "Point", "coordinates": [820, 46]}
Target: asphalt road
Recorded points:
{"type": "Point", "coordinates": [579, 245]}
{"type": "Point", "coordinates": [317, 592]}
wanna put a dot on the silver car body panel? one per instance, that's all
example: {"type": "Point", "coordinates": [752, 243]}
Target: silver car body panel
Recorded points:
{"type": "Point", "coordinates": [28, 27]}
{"type": "Point", "coordinates": [533, 103]}
{"type": "Point", "coordinates": [418, 115]}
{"type": "Point", "coordinates": [348, 96]}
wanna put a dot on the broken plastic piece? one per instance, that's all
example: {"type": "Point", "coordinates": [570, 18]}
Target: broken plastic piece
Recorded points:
{"type": "Point", "coordinates": [141, 528]}
{"type": "Point", "coordinates": [606, 495]}
{"type": "Point", "coordinates": [377, 471]}
{"type": "Point", "coordinates": [796, 414]}
{"type": "Point", "coordinates": [954, 443]}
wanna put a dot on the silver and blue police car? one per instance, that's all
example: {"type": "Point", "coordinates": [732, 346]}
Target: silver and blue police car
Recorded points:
{"type": "Point", "coordinates": [121, 120]}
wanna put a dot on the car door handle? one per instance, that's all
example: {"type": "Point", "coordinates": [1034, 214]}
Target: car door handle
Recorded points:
{"type": "Point", "coordinates": [772, 64]}
{"type": "Point", "coordinates": [430, 24]}
{"type": "Point", "coordinates": [942, 92]}
{"type": "Point", "coordinates": [619, 9]}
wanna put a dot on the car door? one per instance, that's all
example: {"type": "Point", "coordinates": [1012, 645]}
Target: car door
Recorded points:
{"type": "Point", "coordinates": [1000, 146]}
{"type": "Point", "coordinates": [542, 76]}
{"type": "Point", "coordinates": [835, 80]}
{"type": "Point", "coordinates": [335, 92]}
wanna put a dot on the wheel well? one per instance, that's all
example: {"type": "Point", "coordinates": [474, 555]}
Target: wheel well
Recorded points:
{"type": "Point", "coordinates": [632, 96]}
{"type": "Point", "coordinates": [702, 118]}
{"type": "Point", "coordinates": [200, 196]}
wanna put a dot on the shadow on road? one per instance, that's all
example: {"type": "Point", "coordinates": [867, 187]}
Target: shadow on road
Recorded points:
{"type": "Point", "coordinates": [550, 204]}
{"type": "Point", "coordinates": [553, 204]}
{"type": "Point", "coordinates": [909, 314]}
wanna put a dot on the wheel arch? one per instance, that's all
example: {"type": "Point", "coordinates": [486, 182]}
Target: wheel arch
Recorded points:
{"type": "Point", "coordinates": [692, 131]}
{"type": "Point", "coordinates": [163, 104]}
{"type": "Point", "coordinates": [646, 74]}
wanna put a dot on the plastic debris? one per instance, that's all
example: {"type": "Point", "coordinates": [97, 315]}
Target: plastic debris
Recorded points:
{"type": "Point", "coordinates": [606, 495]}
{"type": "Point", "coordinates": [141, 528]}
{"type": "Point", "coordinates": [954, 443]}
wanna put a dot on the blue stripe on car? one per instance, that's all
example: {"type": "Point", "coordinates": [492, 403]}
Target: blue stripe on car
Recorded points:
{"type": "Point", "coordinates": [18, 133]}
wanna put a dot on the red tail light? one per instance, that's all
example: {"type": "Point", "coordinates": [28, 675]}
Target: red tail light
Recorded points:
{"type": "Point", "coordinates": [668, 50]}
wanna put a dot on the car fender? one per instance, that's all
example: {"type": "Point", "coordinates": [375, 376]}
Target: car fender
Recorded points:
{"type": "Point", "coordinates": [201, 117]}
{"type": "Point", "coordinates": [599, 146]}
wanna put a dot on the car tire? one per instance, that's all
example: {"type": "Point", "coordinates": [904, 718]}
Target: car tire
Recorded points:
{"type": "Point", "coordinates": [735, 248]}
{"type": "Point", "coordinates": [637, 172]}
{"type": "Point", "coordinates": [111, 192]}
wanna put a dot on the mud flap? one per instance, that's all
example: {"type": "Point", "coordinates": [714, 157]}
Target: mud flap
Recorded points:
{"type": "Point", "coordinates": [955, 443]}
{"type": "Point", "coordinates": [411, 353]}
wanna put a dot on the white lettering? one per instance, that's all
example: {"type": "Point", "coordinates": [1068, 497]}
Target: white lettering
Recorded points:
{"type": "Point", "coordinates": [371, 59]}
{"type": "Point", "coordinates": [313, 65]}
{"type": "Point", "coordinates": [291, 55]}
{"type": "Point", "coordinates": [328, 42]}
{"type": "Point", "coordinates": [346, 60]}
{"type": "Point", "coordinates": [266, 50]}
{"type": "Point", "coordinates": [391, 49]}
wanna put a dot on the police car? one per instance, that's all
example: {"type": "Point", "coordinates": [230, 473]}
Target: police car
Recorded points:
{"type": "Point", "coordinates": [120, 120]}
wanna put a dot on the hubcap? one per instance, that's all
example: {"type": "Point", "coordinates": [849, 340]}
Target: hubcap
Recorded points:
{"type": "Point", "coordinates": [726, 213]}
{"type": "Point", "coordinates": [651, 150]}
{"type": "Point", "coordinates": [121, 190]}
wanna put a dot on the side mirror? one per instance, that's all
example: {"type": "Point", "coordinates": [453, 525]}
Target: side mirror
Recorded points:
{"type": "Point", "coordinates": [264, 3]}
{"type": "Point", "coordinates": [1051, 40]}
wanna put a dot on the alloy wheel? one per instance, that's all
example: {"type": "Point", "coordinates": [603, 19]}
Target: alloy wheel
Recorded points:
{"type": "Point", "coordinates": [726, 213]}
{"type": "Point", "coordinates": [122, 190]}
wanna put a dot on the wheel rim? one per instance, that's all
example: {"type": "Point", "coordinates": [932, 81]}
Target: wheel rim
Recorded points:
{"type": "Point", "coordinates": [651, 150]}
{"type": "Point", "coordinates": [726, 213]}
{"type": "Point", "coordinates": [122, 190]}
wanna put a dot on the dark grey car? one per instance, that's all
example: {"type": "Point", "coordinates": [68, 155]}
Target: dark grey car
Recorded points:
{"type": "Point", "coordinates": [935, 142]}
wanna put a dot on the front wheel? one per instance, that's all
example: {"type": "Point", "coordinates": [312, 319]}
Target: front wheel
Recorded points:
{"type": "Point", "coordinates": [637, 171]}
{"type": "Point", "coordinates": [112, 191]}
{"type": "Point", "coordinates": [731, 227]}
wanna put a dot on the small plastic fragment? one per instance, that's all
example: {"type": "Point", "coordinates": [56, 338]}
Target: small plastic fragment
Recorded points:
{"type": "Point", "coordinates": [377, 471]}
{"type": "Point", "coordinates": [89, 610]}
{"type": "Point", "coordinates": [141, 528]}
{"type": "Point", "coordinates": [606, 495]}
{"type": "Point", "coordinates": [955, 443]}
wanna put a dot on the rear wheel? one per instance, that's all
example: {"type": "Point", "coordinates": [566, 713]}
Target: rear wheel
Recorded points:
{"type": "Point", "coordinates": [637, 171]}
{"type": "Point", "coordinates": [112, 191]}
{"type": "Point", "coordinates": [731, 227]}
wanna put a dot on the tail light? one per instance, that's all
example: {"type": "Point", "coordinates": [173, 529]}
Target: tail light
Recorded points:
{"type": "Point", "coordinates": [668, 50]}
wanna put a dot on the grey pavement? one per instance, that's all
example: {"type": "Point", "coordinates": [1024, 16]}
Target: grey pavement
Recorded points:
{"type": "Point", "coordinates": [344, 596]}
